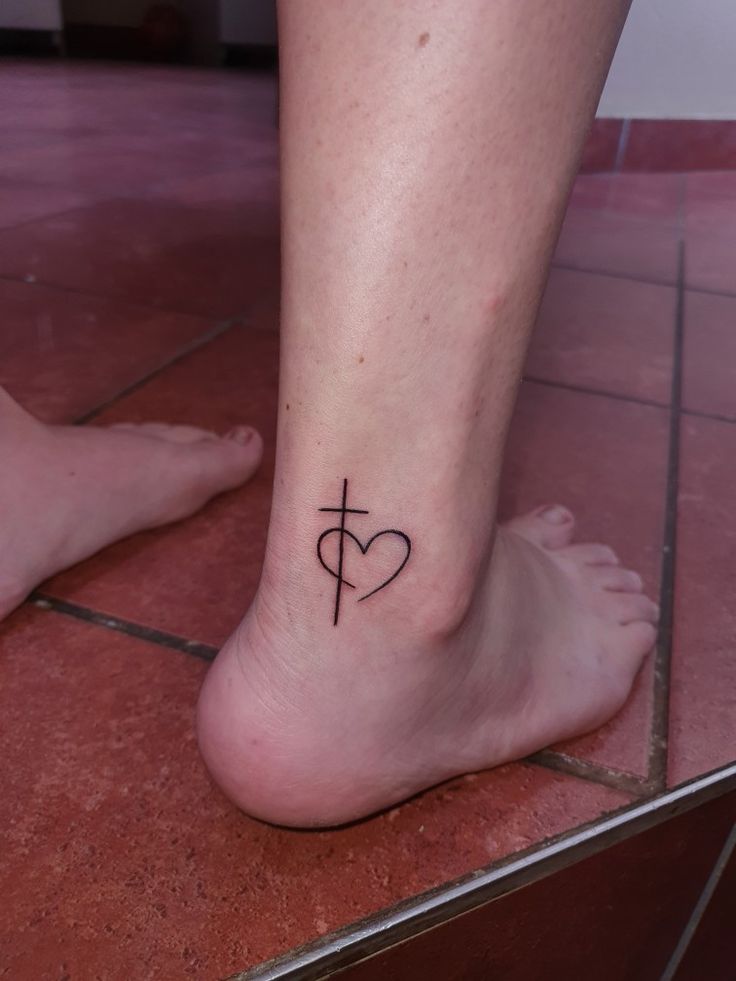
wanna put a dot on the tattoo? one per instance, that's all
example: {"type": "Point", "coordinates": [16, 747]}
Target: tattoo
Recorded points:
{"type": "Point", "coordinates": [342, 531]}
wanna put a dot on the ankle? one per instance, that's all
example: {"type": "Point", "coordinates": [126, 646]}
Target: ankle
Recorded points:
{"type": "Point", "coordinates": [428, 602]}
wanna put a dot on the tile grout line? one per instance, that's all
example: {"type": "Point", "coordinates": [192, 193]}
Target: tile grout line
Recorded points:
{"type": "Point", "coordinates": [161, 638]}
{"type": "Point", "coordinates": [199, 342]}
{"type": "Point", "coordinates": [108, 297]}
{"type": "Point", "coordinates": [715, 416]}
{"type": "Point", "coordinates": [630, 399]}
{"type": "Point", "coordinates": [600, 392]}
{"type": "Point", "coordinates": [628, 783]}
{"type": "Point", "coordinates": [658, 739]}
{"type": "Point", "coordinates": [50, 216]}
{"type": "Point", "coordinates": [633, 278]}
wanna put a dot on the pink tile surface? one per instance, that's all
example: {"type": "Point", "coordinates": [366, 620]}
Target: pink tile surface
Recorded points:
{"type": "Point", "coordinates": [180, 257]}
{"type": "Point", "coordinates": [710, 199]}
{"type": "Point", "coordinates": [703, 683]}
{"type": "Point", "coordinates": [22, 201]}
{"type": "Point", "coordinates": [618, 243]}
{"type": "Point", "coordinates": [709, 356]}
{"type": "Point", "coordinates": [710, 257]}
{"type": "Point", "coordinates": [63, 353]}
{"type": "Point", "coordinates": [606, 461]}
{"type": "Point", "coordinates": [609, 334]}
{"type": "Point", "coordinates": [710, 222]}
{"type": "Point", "coordinates": [651, 196]}
{"type": "Point", "coordinates": [120, 860]}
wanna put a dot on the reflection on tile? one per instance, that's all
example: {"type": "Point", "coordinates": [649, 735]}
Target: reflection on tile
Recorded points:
{"type": "Point", "coordinates": [22, 201]}
{"type": "Point", "coordinates": [62, 354]}
{"type": "Point", "coordinates": [703, 683]}
{"type": "Point", "coordinates": [616, 243]}
{"type": "Point", "coordinates": [649, 196]}
{"type": "Point", "coordinates": [118, 839]}
{"type": "Point", "coordinates": [609, 334]}
{"type": "Point", "coordinates": [164, 253]}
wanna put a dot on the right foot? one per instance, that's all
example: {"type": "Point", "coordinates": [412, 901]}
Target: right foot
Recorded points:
{"type": "Point", "coordinates": [307, 726]}
{"type": "Point", "coordinates": [67, 491]}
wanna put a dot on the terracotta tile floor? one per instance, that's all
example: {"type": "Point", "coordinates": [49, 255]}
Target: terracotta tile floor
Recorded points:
{"type": "Point", "coordinates": [139, 279]}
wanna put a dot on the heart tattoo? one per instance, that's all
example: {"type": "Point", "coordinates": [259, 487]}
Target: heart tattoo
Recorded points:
{"type": "Point", "coordinates": [342, 532]}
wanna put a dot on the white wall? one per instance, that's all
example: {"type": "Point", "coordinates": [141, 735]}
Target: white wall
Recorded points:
{"type": "Point", "coordinates": [676, 59]}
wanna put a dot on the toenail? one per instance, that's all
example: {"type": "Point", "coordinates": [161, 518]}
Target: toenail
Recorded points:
{"type": "Point", "coordinates": [556, 515]}
{"type": "Point", "coordinates": [241, 434]}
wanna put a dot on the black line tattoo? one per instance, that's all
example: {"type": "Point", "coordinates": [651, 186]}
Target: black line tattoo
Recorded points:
{"type": "Point", "coordinates": [342, 531]}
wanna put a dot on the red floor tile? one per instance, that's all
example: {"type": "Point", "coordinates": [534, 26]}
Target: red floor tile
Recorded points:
{"type": "Point", "coordinates": [709, 362]}
{"type": "Point", "coordinates": [62, 354]}
{"type": "Point", "coordinates": [618, 243]}
{"type": "Point", "coordinates": [710, 198]}
{"type": "Point", "coordinates": [650, 196]}
{"type": "Point", "coordinates": [114, 165]}
{"type": "Point", "coordinates": [22, 201]}
{"type": "Point", "coordinates": [703, 683]}
{"type": "Point", "coordinates": [121, 860]}
{"type": "Point", "coordinates": [606, 460]}
{"type": "Point", "coordinates": [200, 574]}
{"type": "Point", "coordinates": [709, 257]}
{"type": "Point", "coordinates": [710, 224]}
{"type": "Point", "coordinates": [251, 193]}
{"type": "Point", "coordinates": [163, 253]}
{"type": "Point", "coordinates": [609, 334]}
{"type": "Point", "coordinates": [601, 146]}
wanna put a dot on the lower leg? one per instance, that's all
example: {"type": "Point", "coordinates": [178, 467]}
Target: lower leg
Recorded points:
{"type": "Point", "coordinates": [67, 491]}
{"type": "Point", "coordinates": [427, 155]}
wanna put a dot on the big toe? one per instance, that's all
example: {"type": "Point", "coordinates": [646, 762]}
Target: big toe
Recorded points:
{"type": "Point", "coordinates": [550, 526]}
{"type": "Point", "coordinates": [221, 464]}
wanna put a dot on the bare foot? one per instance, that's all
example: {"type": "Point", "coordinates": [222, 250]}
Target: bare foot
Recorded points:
{"type": "Point", "coordinates": [67, 491]}
{"type": "Point", "coordinates": [311, 730]}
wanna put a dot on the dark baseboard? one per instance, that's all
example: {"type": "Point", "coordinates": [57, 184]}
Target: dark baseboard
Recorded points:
{"type": "Point", "coordinates": [660, 145]}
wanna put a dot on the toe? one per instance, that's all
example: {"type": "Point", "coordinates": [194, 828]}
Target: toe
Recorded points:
{"type": "Point", "coordinates": [616, 579]}
{"type": "Point", "coordinates": [550, 526]}
{"type": "Point", "coordinates": [626, 608]}
{"type": "Point", "coordinates": [591, 553]}
{"type": "Point", "coordinates": [638, 639]}
{"type": "Point", "coordinates": [223, 464]}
